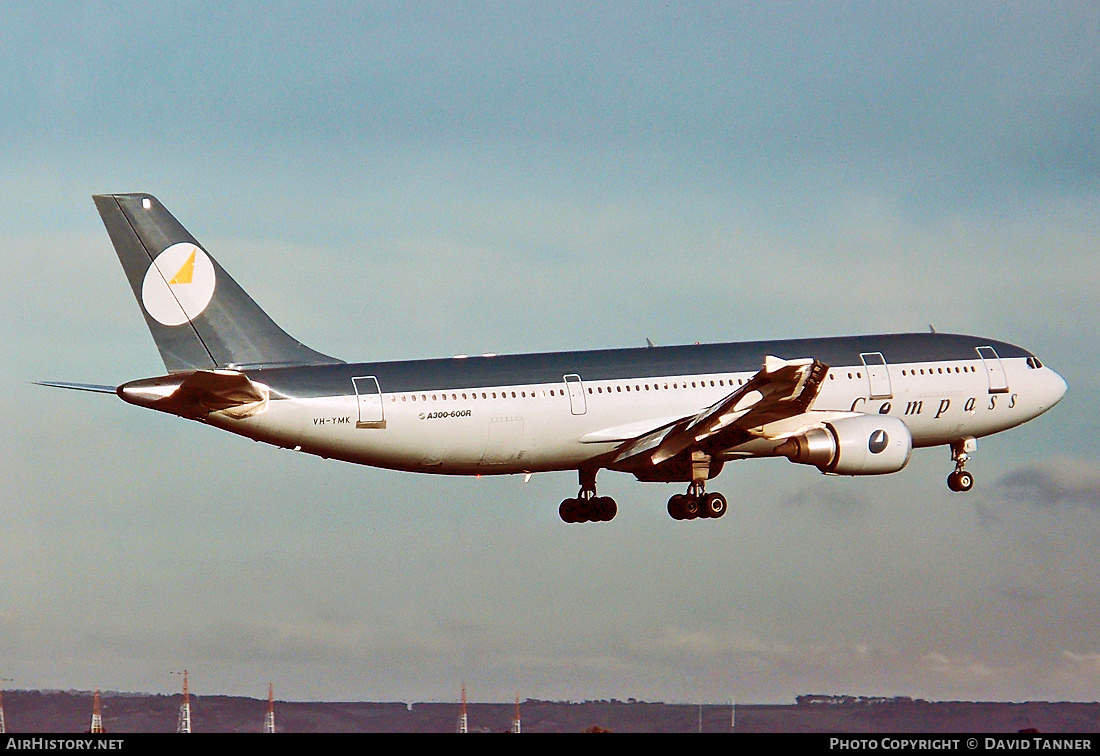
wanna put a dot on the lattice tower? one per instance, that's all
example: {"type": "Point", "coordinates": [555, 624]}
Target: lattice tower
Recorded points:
{"type": "Point", "coordinates": [269, 718]}
{"type": "Point", "coordinates": [463, 722]}
{"type": "Point", "coordinates": [97, 714]}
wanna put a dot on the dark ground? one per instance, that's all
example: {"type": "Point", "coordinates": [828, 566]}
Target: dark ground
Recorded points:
{"type": "Point", "coordinates": [70, 711]}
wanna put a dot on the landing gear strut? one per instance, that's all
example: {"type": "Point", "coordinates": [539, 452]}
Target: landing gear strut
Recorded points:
{"type": "Point", "coordinates": [588, 507]}
{"type": "Point", "coordinates": [961, 480]}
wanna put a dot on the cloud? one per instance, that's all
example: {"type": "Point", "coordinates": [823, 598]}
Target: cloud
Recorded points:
{"type": "Point", "coordinates": [1088, 663]}
{"type": "Point", "coordinates": [836, 501]}
{"type": "Point", "coordinates": [1057, 483]}
{"type": "Point", "coordinates": [961, 670]}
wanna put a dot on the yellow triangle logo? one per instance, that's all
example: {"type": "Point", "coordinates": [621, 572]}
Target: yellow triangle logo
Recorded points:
{"type": "Point", "coordinates": [186, 271]}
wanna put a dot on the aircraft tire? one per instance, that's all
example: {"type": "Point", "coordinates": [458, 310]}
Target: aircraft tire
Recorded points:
{"type": "Point", "coordinates": [675, 508]}
{"type": "Point", "coordinates": [960, 481]}
{"type": "Point", "coordinates": [568, 510]}
{"type": "Point", "coordinates": [605, 509]}
{"type": "Point", "coordinates": [690, 507]}
{"type": "Point", "coordinates": [713, 505]}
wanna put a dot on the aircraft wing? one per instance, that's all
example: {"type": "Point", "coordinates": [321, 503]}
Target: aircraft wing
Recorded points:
{"type": "Point", "coordinates": [777, 398]}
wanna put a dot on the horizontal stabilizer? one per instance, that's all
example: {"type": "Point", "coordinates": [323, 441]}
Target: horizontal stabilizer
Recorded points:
{"type": "Point", "coordinates": [93, 387]}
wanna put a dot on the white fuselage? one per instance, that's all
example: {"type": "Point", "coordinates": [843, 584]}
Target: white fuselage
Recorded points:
{"type": "Point", "coordinates": [565, 424]}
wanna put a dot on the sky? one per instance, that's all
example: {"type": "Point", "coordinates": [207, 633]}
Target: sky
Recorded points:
{"type": "Point", "coordinates": [423, 179]}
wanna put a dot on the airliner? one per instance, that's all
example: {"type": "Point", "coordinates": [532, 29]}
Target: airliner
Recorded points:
{"type": "Point", "coordinates": [855, 405]}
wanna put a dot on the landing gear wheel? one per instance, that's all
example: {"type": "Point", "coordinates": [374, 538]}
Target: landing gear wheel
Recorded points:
{"type": "Point", "coordinates": [713, 505]}
{"type": "Point", "coordinates": [588, 507]}
{"type": "Point", "coordinates": [568, 510]}
{"type": "Point", "coordinates": [960, 481]}
{"type": "Point", "coordinates": [604, 509]}
{"type": "Point", "coordinates": [690, 507]}
{"type": "Point", "coordinates": [675, 506]}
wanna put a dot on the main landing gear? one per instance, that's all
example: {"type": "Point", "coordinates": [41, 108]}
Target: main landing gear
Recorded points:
{"type": "Point", "coordinates": [696, 503]}
{"type": "Point", "coordinates": [960, 480]}
{"type": "Point", "coordinates": [588, 507]}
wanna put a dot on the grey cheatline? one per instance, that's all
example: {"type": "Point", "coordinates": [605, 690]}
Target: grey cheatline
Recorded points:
{"type": "Point", "coordinates": [852, 405]}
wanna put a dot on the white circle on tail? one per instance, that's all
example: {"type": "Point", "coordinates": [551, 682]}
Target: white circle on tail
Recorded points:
{"type": "Point", "coordinates": [178, 285]}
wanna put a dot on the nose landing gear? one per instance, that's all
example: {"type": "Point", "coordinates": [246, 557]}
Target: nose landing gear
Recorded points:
{"type": "Point", "coordinates": [960, 480]}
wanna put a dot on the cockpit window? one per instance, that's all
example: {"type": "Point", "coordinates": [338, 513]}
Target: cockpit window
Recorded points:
{"type": "Point", "coordinates": [1034, 363]}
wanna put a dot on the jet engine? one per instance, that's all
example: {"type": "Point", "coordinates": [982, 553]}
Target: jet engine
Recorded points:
{"type": "Point", "coordinates": [861, 445]}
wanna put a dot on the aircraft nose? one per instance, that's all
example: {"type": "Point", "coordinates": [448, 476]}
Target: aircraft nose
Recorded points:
{"type": "Point", "coordinates": [1056, 388]}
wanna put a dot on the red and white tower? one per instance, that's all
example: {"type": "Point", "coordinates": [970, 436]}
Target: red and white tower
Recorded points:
{"type": "Point", "coordinates": [184, 722]}
{"type": "Point", "coordinates": [3, 727]}
{"type": "Point", "coordinates": [463, 722]}
{"type": "Point", "coordinates": [269, 718]}
{"type": "Point", "coordinates": [97, 715]}
{"type": "Point", "coordinates": [515, 719]}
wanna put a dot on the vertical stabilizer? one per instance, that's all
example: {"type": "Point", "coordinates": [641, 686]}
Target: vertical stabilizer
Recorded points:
{"type": "Point", "coordinates": [199, 316]}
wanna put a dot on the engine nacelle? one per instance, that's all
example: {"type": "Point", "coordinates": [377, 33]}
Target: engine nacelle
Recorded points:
{"type": "Point", "coordinates": [861, 445]}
